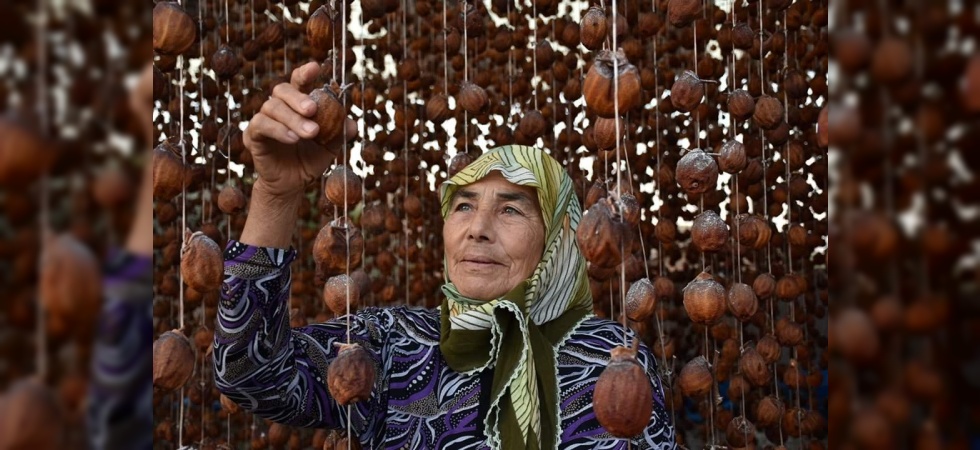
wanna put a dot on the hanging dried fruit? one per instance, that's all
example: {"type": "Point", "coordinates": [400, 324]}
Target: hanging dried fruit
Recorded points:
{"type": "Point", "coordinates": [697, 172]}
{"type": "Point", "coordinates": [338, 292]}
{"type": "Point", "coordinates": [225, 62]}
{"type": "Point", "coordinates": [754, 367]}
{"type": "Point", "coordinates": [231, 200]}
{"type": "Point", "coordinates": [740, 432]}
{"type": "Point", "coordinates": [754, 232]}
{"type": "Point", "coordinates": [593, 28]}
{"type": "Point", "coordinates": [343, 186]}
{"type": "Point", "coordinates": [69, 284]}
{"type": "Point", "coordinates": [687, 91]}
{"type": "Point", "coordinates": [173, 361]}
{"type": "Point", "coordinates": [696, 379]}
{"type": "Point", "coordinates": [741, 104]}
{"type": "Point", "coordinates": [174, 31]}
{"type": "Point", "coordinates": [168, 172]}
{"type": "Point", "coordinates": [704, 299]}
{"type": "Point", "coordinates": [731, 158]}
{"type": "Point", "coordinates": [330, 112]}
{"type": "Point", "coordinates": [600, 92]}
{"type": "Point", "coordinates": [338, 248]}
{"type": "Point", "coordinates": [855, 336]}
{"type": "Point", "coordinates": [788, 333]}
{"type": "Point", "coordinates": [351, 375]}
{"type": "Point", "coordinates": [32, 417]}
{"type": "Point", "coordinates": [768, 348]}
{"type": "Point", "coordinates": [600, 235]}
{"type": "Point", "coordinates": [201, 264]}
{"type": "Point", "coordinates": [742, 301]}
{"type": "Point", "coordinates": [472, 98]}
{"type": "Point", "coordinates": [532, 125]}
{"type": "Point", "coordinates": [437, 108]}
{"type": "Point", "coordinates": [641, 300]}
{"type": "Point", "coordinates": [709, 233]}
{"type": "Point", "coordinates": [769, 411]}
{"type": "Point", "coordinates": [768, 112]}
{"type": "Point", "coordinates": [664, 288]}
{"type": "Point", "coordinates": [605, 132]}
{"type": "Point", "coordinates": [681, 13]}
{"type": "Point", "coordinates": [623, 397]}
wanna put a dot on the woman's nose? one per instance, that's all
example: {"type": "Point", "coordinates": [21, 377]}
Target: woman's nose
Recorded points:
{"type": "Point", "coordinates": [481, 225]}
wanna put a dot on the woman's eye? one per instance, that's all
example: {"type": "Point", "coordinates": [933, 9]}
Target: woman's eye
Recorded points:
{"type": "Point", "coordinates": [463, 207]}
{"type": "Point", "coordinates": [512, 210]}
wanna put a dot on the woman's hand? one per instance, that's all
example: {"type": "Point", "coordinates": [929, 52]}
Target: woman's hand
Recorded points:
{"type": "Point", "coordinates": [280, 137]}
{"type": "Point", "coordinates": [286, 158]}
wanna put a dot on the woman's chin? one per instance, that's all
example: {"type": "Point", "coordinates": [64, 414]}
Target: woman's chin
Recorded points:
{"type": "Point", "coordinates": [483, 295]}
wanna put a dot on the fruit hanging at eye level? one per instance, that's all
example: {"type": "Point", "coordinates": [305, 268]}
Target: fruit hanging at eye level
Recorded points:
{"type": "Point", "coordinates": [696, 379]}
{"type": "Point", "coordinates": [351, 375]}
{"type": "Point", "coordinates": [697, 172]}
{"type": "Point", "coordinates": [338, 291]}
{"type": "Point", "coordinates": [641, 300]}
{"type": "Point", "coordinates": [602, 92]}
{"type": "Point", "coordinates": [343, 186]}
{"type": "Point", "coordinates": [201, 263]}
{"type": "Point", "coordinates": [231, 200]}
{"type": "Point", "coordinates": [173, 361]}
{"type": "Point", "coordinates": [709, 233]}
{"type": "Point", "coordinates": [687, 91]}
{"type": "Point", "coordinates": [704, 299]}
{"type": "Point", "coordinates": [330, 112]}
{"type": "Point", "coordinates": [174, 31]}
{"type": "Point", "coordinates": [623, 397]}
{"type": "Point", "coordinates": [338, 246]}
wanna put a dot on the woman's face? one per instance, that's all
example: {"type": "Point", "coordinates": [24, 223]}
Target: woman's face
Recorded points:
{"type": "Point", "coordinates": [494, 237]}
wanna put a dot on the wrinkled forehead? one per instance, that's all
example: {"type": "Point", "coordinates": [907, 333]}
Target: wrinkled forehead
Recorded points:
{"type": "Point", "coordinates": [495, 182]}
{"type": "Point", "coordinates": [495, 178]}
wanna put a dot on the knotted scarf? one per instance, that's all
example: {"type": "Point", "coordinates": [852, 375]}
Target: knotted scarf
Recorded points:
{"type": "Point", "coordinates": [519, 333]}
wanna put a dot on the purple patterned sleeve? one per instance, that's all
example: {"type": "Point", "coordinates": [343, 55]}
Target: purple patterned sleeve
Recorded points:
{"type": "Point", "coordinates": [279, 372]}
{"type": "Point", "coordinates": [119, 412]}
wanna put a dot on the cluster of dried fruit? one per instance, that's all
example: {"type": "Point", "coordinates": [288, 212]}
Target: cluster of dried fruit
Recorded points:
{"type": "Point", "coordinates": [709, 172]}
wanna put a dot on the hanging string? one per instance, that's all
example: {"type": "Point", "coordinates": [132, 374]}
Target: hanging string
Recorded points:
{"type": "Point", "coordinates": [251, 17]}
{"type": "Point", "coordinates": [466, 77]}
{"type": "Point", "coordinates": [41, 360]}
{"type": "Point", "coordinates": [619, 177]}
{"type": "Point", "coordinates": [405, 150]}
{"type": "Point", "coordinates": [445, 49]}
{"type": "Point", "coordinates": [534, 54]}
{"type": "Point", "coordinates": [697, 110]}
{"type": "Point", "coordinates": [204, 410]}
{"type": "Point", "coordinates": [229, 99]}
{"type": "Point", "coordinates": [343, 82]}
{"type": "Point", "coordinates": [711, 392]}
{"type": "Point", "coordinates": [183, 226]}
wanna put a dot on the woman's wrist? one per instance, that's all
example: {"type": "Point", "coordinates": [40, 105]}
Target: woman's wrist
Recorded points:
{"type": "Point", "coordinates": [271, 218]}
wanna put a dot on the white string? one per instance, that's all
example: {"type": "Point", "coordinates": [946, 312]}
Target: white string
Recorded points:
{"type": "Point", "coordinates": [41, 359]}
{"type": "Point", "coordinates": [347, 172]}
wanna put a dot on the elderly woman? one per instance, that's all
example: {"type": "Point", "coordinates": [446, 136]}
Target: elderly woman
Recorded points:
{"type": "Point", "coordinates": [510, 359]}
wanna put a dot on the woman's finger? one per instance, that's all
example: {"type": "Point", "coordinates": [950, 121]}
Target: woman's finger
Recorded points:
{"type": "Point", "coordinates": [276, 109]}
{"type": "Point", "coordinates": [263, 127]}
{"type": "Point", "coordinates": [303, 76]}
{"type": "Point", "coordinates": [296, 100]}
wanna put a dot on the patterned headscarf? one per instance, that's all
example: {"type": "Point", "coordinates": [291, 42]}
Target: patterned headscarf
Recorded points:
{"type": "Point", "coordinates": [519, 334]}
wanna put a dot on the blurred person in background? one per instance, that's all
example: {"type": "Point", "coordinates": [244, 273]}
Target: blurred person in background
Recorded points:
{"type": "Point", "coordinates": [120, 403]}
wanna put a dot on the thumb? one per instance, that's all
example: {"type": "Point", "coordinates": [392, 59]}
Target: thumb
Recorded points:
{"type": "Point", "coordinates": [303, 76]}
